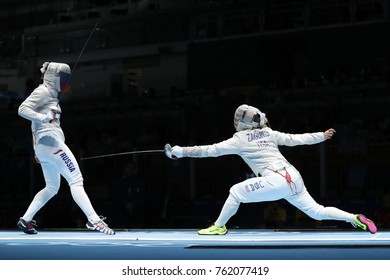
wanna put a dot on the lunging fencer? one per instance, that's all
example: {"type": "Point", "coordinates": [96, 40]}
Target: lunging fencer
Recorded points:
{"type": "Point", "coordinates": [43, 110]}
{"type": "Point", "coordinates": [257, 144]}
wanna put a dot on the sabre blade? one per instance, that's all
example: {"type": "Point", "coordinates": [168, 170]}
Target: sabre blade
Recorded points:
{"type": "Point", "coordinates": [82, 50]}
{"type": "Point", "coordinates": [77, 61]}
{"type": "Point", "coordinates": [125, 153]}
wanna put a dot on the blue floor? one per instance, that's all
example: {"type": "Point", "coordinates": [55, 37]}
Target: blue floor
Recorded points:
{"type": "Point", "coordinates": [238, 244]}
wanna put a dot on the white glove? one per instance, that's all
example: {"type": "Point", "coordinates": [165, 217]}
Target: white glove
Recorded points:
{"type": "Point", "coordinates": [48, 117]}
{"type": "Point", "coordinates": [173, 153]}
{"type": "Point", "coordinates": [177, 152]}
{"type": "Point", "coordinates": [52, 115]}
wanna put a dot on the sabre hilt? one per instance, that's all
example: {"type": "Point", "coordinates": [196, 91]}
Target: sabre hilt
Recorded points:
{"type": "Point", "coordinates": [168, 151]}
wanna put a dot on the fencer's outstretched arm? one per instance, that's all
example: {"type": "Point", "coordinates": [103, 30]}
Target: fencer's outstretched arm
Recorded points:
{"type": "Point", "coordinates": [227, 147]}
{"type": "Point", "coordinates": [234, 145]}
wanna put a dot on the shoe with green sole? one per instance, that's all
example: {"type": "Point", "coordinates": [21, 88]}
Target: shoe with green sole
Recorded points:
{"type": "Point", "coordinates": [364, 223]}
{"type": "Point", "coordinates": [213, 230]}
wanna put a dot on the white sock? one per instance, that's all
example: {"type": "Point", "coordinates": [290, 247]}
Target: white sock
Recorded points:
{"type": "Point", "coordinates": [333, 213]}
{"type": "Point", "coordinates": [82, 200]}
{"type": "Point", "coordinates": [40, 199]}
{"type": "Point", "coordinates": [228, 210]}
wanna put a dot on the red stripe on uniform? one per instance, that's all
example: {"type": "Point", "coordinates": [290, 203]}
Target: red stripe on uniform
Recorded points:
{"type": "Point", "coordinates": [59, 151]}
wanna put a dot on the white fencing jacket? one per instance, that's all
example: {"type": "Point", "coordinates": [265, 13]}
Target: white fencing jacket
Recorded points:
{"type": "Point", "coordinates": [257, 147]}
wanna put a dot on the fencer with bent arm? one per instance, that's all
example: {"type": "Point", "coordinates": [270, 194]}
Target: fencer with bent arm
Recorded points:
{"type": "Point", "coordinates": [43, 110]}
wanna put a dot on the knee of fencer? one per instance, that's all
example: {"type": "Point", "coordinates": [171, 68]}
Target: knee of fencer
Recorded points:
{"type": "Point", "coordinates": [53, 189]}
{"type": "Point", "coordinates": [76, 183]}
{"type": "Point", "coordinates": [318, 213]}
{"type": "Point", "coordinates": [76, 180]}
{"type": "Point", "coordinates": [233, 196]}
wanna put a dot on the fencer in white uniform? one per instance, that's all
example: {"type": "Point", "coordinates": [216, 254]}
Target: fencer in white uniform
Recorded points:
{"type": "Point", "coordinates": [43, 110]}
{"type": "Point", "coordinates": [257, 144]}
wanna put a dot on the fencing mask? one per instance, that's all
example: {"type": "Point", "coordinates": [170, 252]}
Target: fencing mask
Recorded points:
{"type": "Point", "coordinates": [56, 76]}
{"type": "Point", "coordinates": [248, 117]}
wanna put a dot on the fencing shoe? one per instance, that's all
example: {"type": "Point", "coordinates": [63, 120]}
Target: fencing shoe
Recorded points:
{"type": "Point", "coordinates": [364, 223]}
{"type": "Point", "coordinates": [213, 230]}
{"type": "Point", "coordinates": [100, 226]}
{"type": "Point", "coordinates": [27, 227]}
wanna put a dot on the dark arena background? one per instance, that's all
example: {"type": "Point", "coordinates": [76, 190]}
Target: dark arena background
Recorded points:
{"type": "Point", "coordinates": [157, 72]}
